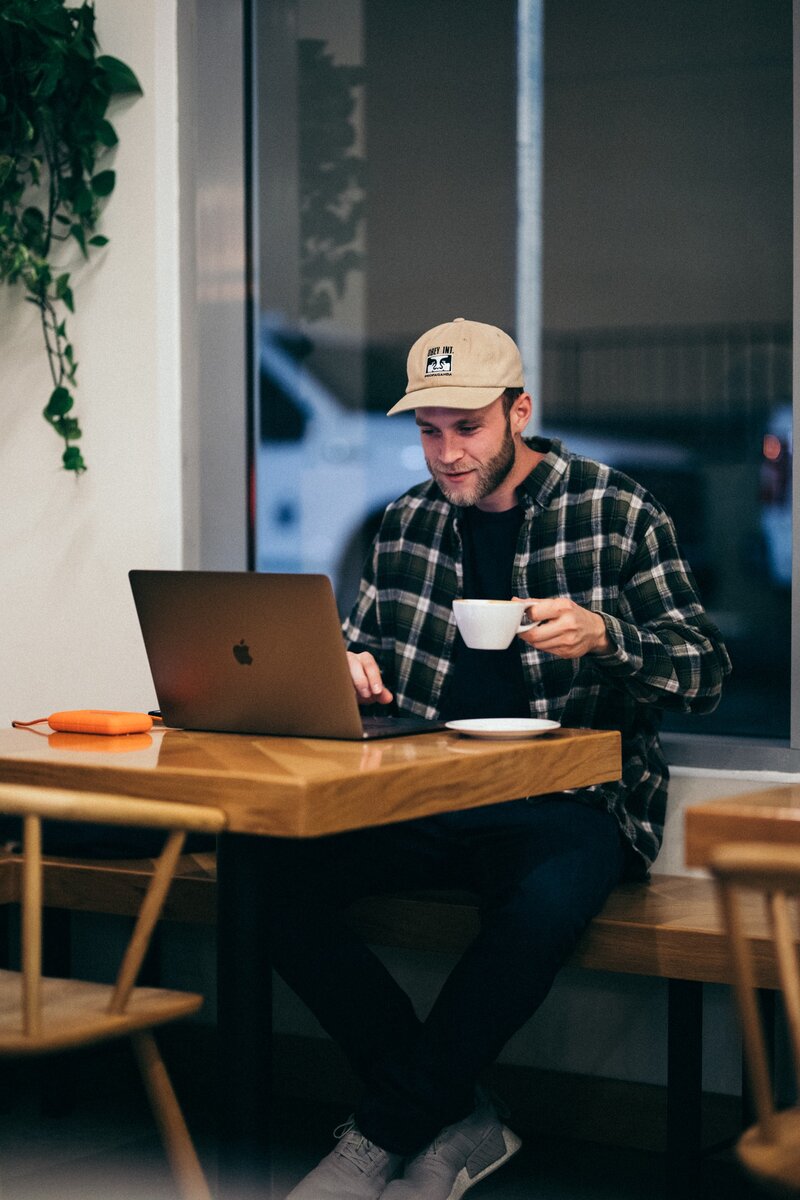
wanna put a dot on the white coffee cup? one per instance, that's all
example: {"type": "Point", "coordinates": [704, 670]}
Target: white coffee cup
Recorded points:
{"type": "Point", "coordinates": [490, 624]}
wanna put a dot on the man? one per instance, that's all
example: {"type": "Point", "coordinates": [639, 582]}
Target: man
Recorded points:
{"type": "Point", "coordinates": [620, 634]}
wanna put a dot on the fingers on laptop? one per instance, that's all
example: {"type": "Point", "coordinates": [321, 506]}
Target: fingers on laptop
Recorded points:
{"type": "Point", "coordinates": [366, 676]}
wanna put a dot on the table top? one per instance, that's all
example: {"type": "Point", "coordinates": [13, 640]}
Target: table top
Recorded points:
{"type": "Point", "coordinates": [303, 787]}
{"type": "Point", "coordinates": [766, 815]}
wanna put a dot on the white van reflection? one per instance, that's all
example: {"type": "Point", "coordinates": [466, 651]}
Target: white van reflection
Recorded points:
{"type": "Point", "coordinates": [322, 469]}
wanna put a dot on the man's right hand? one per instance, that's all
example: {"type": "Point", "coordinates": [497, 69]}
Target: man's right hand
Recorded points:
{"type": "Point", "coordinates": [367, 681]}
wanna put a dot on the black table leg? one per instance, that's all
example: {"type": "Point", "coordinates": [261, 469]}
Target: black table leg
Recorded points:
{"type": "Point", "coordinates": [684, 1087]}
{"type": "Point", "coordinates": [244, 1000]}
{"type": "Point", "coordinates": [57, 1075]}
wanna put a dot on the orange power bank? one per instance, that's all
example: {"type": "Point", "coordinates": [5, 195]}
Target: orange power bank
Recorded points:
{"type": "Point", "coordinates": [98, 720]}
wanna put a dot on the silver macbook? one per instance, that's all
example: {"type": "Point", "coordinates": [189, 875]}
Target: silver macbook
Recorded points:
{"type": "Point", "coordinates": [242, 652]}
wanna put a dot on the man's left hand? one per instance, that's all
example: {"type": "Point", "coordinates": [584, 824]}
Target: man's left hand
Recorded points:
{"type": "Point", "coordinates": [565, 629]}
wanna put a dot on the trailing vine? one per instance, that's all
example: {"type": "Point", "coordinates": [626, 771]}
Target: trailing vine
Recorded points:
{"type": "Point", "coordinates": [54, 94]}
{"type": "Point", "coordinates": [331, 178]}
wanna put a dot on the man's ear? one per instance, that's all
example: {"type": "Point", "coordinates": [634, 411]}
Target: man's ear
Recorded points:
{"type": "Point", "coordinates": [520, 413]}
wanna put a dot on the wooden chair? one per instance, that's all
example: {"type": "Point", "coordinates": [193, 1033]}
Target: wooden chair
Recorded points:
{"type": "Point", "coordinates": [770, 1149]}
{"type": "Point", "coordinates": [42, 1015]}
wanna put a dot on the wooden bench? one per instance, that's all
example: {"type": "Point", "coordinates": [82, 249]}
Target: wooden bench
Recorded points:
{"type": "Point", "coordinates": [667, 928]}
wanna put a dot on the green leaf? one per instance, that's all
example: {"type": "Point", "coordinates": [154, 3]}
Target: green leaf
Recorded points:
{"type": "Point", "coordinates": [33, 219]}
{"type": "Point", "coordinates": [69, 428]}
{"type": "Point", "coordinates": [64, 293]}
{"type": "Point", "coordinates": [38, 276]}
{"type": "Point", "coordinates": [83, 48]}
{"type": "Point", "coordinates": [80, 237]}
{"type": "Point", "coordinates": [73, 460]}
{"type": "Point", "coordinates": [56, 21]}
{"type": "Point", "coordinates": [48, 81]}
{"type": "Point", "coordinates": [103, 183]}
{"type": "Point", "coordinates": [82, 201]}
{"type": "Point", "coordinates": [60, 402]}
{"type": "Point", "coordinates": [119, 77]}
{"type": "Point", "coordinates": [98, 240]}
{"type": "Point", "coordinates": [105, 133]}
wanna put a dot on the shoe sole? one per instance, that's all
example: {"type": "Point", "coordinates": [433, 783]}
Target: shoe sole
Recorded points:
{"type": "Point", "coordinates": [463, 1181]}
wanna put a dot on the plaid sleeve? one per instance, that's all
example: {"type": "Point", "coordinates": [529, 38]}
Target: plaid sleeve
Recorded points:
{"type": "Point", "coordinates": [666, 649]}
{"type": "Point", "coordinates": [360, 628]}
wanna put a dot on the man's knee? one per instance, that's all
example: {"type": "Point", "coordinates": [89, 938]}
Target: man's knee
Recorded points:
{"type": "Point", "coordinates": [548, 909]}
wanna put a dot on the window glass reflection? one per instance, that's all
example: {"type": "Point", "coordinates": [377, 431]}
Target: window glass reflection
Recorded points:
{"type": "Point", "coordinates": [388, 196]}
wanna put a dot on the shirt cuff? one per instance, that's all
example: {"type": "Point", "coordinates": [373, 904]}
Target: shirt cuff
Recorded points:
{"type": "Point", "coordinates": [626, 651]}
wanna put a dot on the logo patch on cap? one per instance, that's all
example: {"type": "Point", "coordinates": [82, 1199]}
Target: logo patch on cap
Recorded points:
{"type": "Point", "coordinates": [439, 361]}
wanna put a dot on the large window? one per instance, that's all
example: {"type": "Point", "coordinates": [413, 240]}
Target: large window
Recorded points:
{"type": "Point", "coordinates": [398, 186]}
{"type": "Point", "coordinates": [667, 292]}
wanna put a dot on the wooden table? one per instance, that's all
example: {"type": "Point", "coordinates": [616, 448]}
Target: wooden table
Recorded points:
{"type": "Point", "coordinates": [294, 787]}
{"type": "Point", "coordinates": [767, 815]}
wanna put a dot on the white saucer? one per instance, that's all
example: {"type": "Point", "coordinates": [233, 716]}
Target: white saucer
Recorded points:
{"type": "Point", "coordinates": [504, 727]}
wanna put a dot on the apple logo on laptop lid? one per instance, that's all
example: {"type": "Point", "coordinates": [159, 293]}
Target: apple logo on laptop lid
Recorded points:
{"type": "Point", "coordinates": [241, 652]}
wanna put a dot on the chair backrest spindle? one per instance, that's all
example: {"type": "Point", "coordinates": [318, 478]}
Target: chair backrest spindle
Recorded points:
{"type": "Point", "coordinates": [786, 950]}
{"type": "Point", "coordinates": [32, 927]}
{"type": "Point", "coordinates": [149, 913]}
{"type": "Point", "coordinates": [754, 1046]}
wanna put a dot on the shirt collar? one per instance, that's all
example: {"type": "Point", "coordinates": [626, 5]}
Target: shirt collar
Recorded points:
{"type": "Point", "coordinates": [547, 476]}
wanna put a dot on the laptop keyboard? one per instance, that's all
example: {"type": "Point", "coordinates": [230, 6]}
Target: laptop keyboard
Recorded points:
{"type": "Point", "coordinates": [387, 726]}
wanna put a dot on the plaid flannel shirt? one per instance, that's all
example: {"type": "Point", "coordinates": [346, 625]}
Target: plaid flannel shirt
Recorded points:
{"type": "Point", "coordinates": [590, 533]}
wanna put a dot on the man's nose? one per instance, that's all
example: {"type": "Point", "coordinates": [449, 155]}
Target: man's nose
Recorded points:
{"type": "Point", "coordinates": [450, 449]}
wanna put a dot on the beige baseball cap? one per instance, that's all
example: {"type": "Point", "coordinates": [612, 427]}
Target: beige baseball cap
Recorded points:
{"type": "Point", "coordinates": [461, 364]}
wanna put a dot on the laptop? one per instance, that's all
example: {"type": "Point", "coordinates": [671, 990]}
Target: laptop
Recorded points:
{"type": "Point", "coordinates": [244, 652]}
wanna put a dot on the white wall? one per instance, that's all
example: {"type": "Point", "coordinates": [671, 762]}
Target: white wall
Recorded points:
{"type": "Point", "coordinates": [70, 636]}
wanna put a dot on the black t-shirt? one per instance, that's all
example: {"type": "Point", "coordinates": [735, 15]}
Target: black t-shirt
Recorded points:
{"type": "Point", "coordinates": [487, 683]}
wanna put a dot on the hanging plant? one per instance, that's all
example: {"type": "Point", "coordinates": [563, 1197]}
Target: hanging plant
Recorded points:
{"type": "Point", "coordinates": [54, 93]}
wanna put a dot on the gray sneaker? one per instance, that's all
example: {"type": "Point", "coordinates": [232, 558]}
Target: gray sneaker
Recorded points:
{"type": "Point", "coordinates": [459, 1157]}
{"type": "Point", "coordinates": [356, 1169]}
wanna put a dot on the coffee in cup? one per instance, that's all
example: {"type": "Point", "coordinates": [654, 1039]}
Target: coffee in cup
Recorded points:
{"type": "Point", "coordinates": [490, 624]}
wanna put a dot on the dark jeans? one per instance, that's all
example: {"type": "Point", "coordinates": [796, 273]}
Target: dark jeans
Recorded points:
{"type": "Point", "coordinates": [541, 868]}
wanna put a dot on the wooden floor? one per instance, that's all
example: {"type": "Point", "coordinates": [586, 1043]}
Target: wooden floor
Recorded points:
{"type": "Point", "coordinates": [106, 1148]}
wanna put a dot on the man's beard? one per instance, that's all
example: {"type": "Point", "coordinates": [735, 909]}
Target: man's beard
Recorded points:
{"type": "Point", "coordinates": [486, 478]}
